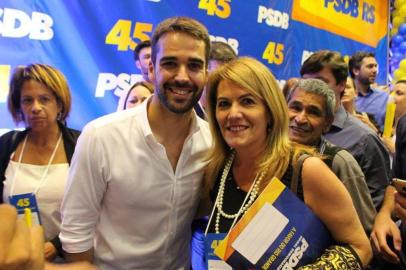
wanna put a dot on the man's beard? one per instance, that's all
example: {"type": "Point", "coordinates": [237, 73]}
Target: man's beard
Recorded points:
{"type": "Point", "coordinates": [170, 105]}
{"type": "Point", "coordinates": [364, 80]}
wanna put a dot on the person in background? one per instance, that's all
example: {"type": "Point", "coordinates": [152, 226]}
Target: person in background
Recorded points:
{"type": "Point", "coordinates": [289, 85]}
{"type": "Point", "coordinates": [220, 53]}
{"type": "Point", "coordinates": [22, 248]}
{"type": "Point", "coordinates": [399, 98]}
{"type": "Point", "coordinates": [137, 213]}
{"type": "Point", "coordinates": [142, 58]}
{"type": "Point", "coordinates": [248, 118]}
{"type": "Point", "coordinates": [399, 164]}
{"type": "Point", "coordinates": [389, 239]}
{"type": "Point", "coordinates": [137, 94]}
{"type": "Point", "coordinates": [347, 131]}
{"type": "Point", "coordinates": [37, 159]}
{"type": "Point", "coordinates": [363, 69]}
{"type": "Point", "coordinates": [311, 111]}
{"type": "Point", "coordinates": [348, 101]}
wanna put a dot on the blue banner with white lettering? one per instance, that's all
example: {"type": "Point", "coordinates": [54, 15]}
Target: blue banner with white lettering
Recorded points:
{"type": "Point", "coordinates": [91, 41]}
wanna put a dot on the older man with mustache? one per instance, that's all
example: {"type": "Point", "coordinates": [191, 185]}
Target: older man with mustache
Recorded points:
{"type": "Point", "coordinates": [311, 111]}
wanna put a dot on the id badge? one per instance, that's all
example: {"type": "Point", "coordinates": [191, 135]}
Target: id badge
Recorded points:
{"type": "Point", "coordinates": [23, 201]}
{"type": "Point", "coordinates": [213, 262]}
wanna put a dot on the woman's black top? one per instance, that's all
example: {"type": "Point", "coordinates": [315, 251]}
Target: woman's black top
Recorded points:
{"type": "Point", "coordinates": [234, 197]}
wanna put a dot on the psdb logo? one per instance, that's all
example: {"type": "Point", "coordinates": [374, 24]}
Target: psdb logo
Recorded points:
{"type": "Point", "coordinates": [15, 23]}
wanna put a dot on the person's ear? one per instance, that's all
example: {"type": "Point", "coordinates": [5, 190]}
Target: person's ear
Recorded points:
{"type": "Point", "coordinates": [355, 71]}
{"type": "Point", "coordinates": [60, 109]}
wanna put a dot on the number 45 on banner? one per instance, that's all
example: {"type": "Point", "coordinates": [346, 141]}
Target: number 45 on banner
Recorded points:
{"type": "Point", "coordinates": [220, 8]}
{"type": "Point", "coordinates": [274, 53]}
{"type": "Point", "coordinates": [120, 34]}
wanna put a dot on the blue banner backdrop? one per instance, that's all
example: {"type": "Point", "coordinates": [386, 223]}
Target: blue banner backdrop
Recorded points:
{"type": "Point", "coordinates": [91, 41]}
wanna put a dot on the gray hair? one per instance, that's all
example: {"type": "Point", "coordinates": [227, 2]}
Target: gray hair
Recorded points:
{"type": "Point", "coordinates": [318, 87]}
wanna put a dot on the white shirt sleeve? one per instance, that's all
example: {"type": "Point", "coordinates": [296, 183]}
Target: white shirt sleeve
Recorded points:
{"type": "Point", "coordinates": [84, 192]}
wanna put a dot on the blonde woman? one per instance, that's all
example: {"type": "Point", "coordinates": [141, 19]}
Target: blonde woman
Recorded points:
{"type": "Point", "coordinates": [248, 118]}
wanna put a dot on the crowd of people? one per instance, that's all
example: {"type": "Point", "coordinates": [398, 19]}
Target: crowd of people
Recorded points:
{"type": "Point", "coordinates": [201, 136]}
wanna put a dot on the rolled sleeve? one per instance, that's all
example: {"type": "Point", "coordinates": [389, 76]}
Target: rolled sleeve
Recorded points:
{"type": "Point", "coordinates": [83, 195]}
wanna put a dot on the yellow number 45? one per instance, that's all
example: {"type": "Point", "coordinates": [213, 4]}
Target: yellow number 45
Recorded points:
{"type": "Point", "coordinates": [220, 8]}
{"type": "Point", "coordinates": [120, 34]}
{"type": "Point", "coordinates": [25, 202]}
{"type": "Point", "coordinates": [274, 53]}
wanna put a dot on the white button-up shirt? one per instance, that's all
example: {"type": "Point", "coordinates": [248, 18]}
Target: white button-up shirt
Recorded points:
{"type": "Point", "coordinates": [124, 199]}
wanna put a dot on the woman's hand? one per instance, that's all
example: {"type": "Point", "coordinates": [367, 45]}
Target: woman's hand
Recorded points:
{"type": "Point", "coordinates": [365, 119]}
{"type": "Point", "coordinates": [50, 251]}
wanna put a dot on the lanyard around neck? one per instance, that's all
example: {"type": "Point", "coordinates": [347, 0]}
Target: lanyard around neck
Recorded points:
{"type": "Point", "coordinates": [44, 174]}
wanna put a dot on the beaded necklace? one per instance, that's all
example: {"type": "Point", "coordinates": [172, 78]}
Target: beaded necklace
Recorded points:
{"type": "Point", "coordinates": [251, 196]}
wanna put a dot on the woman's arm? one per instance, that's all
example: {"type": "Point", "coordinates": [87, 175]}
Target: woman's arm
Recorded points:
{"type": "Point", "coordinates": [327, 197]}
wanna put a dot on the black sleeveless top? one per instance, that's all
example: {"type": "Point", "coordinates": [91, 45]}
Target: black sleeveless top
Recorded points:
{"type": "Point", "coordinates": [234, 197]}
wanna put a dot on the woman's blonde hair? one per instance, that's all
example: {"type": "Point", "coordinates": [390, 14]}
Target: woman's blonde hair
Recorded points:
{"type": "Point", "coordinates": [256, 78]}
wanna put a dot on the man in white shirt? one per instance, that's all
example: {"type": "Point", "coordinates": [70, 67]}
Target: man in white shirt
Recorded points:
{"type": "Point", "coordinates": [135, 178]}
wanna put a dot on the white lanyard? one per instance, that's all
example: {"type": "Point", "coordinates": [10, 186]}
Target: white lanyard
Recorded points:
{"type": "Point", "coordinates": [44, 174]}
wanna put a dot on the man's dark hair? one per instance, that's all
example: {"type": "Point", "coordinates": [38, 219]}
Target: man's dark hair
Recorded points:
{"type": "Point", "coordinates": [139, 47]}
{"type": "Point", "coordinates": [185, 25]}
{"type": "Point", "coordinates": [222, 52]}
{"type": "Point", "coordinates": [325, 58]}
{"type": "Point", "coordinates": [356, 59]}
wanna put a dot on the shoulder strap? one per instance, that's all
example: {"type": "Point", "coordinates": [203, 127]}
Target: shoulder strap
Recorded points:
{"type": "Point", "coordinates": [13, 138]}
{"type": "Point", "coordinates": [70, 136]}
{"type": "Point", "coordinates": [7, 146]}
{"type": "Point", "coordinates": [297, 171]}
